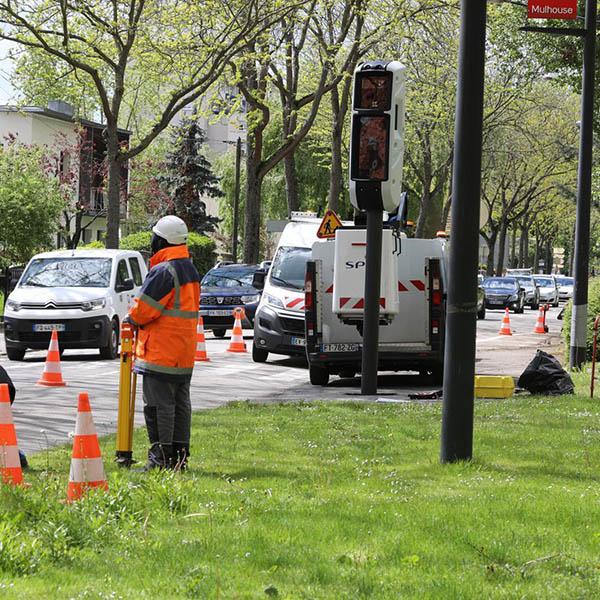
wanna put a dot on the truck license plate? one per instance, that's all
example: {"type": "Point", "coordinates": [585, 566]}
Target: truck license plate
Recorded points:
{"type": "Point", "coordinates": [298, 341]}
{"type": "Point", "coordinates": [40, 327]}
{"type": "Point", "coordinates": [340, 348]}
{"type": "Point", "coordinates": [219, 313]}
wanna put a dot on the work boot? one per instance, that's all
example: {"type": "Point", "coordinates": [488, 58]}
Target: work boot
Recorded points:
{"type": "Point", "coordinates": [180, 456]}
{"type": "Point", "coordinates": [159, 457]}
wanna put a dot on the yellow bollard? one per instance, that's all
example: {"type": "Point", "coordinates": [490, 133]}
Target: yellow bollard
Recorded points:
{"type": "Point", "coordinates": [127, 385]}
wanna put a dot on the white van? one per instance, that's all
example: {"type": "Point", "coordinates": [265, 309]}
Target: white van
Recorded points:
{"type": "Point", "coordinates": [82, 294]}
{"type": "Point", "coordinates": [279, 320]}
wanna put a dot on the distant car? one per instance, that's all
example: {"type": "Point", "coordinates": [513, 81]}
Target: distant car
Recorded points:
{"type": "Point", "coordinates": [504, 292]}
{"type": "Point", "coordinates": [565, 287]}
{"type": "Point", "coordinates": [532, 294]}
{"type": "Point", "coordinates": [224, 288]}
{"type": "Point", "coordinates": [519, 272]}
{"type": "Point", "coordinates": [548, 289]}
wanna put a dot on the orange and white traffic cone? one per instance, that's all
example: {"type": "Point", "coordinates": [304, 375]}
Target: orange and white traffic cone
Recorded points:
{"type": "Point", "coordinates": [87, 469]}
{"type": "Point", "coordinates": [539, 325]}
{"type": "Point", "coordinates": [505, 327]}
{"type": "Point", "coordinates": [10, 463]}
{"type": "Point", "coordinates": [201, 355]}
{"type": "Point", "coordinates": [237, 337]}
{"type": "Point", "coordinates": [52, 375]}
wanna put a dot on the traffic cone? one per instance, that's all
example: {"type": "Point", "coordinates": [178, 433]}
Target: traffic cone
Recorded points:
{"type": "Point", "coordinates": [87, 469]}
{"type": "Point", "coordinates": [52, 375]}
{"type": "Point", "coordinates": [237, 337]}
{"type": "Point", "coordinates": [201, 355]}
{"type": "Point", "coordinates": [539, 325]}
{"type": "Point", "coordinates": [505, 327]}
{"type": "Point", "coordinates": [10, 463]}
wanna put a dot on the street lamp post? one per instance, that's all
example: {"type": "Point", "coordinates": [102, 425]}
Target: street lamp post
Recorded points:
{"type": "Point", "coordinates": [461, 323]}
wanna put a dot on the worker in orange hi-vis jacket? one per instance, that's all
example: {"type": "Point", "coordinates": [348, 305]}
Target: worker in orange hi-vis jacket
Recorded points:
{"type": "Point", "coordinates": [166, 313]}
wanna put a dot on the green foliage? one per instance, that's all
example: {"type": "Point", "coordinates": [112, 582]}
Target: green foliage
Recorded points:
{"type": "Point", "coordinates": [92, 245]}
{"type": "Point", "coordinates": [30, 203]}
{"type": "Point", "coordinates": [593, 312]}
{"type": "Point", "coordinates": [202, 248]}
{"type": "Point", "coordinates": [324, 501]}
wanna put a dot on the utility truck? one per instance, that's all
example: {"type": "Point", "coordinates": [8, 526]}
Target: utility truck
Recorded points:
{"type": "Point", "coordinates": [412, 304]}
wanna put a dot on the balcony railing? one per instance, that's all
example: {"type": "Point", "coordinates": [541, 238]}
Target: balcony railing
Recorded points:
{"type": "Point", "coordinates": [98, 202]}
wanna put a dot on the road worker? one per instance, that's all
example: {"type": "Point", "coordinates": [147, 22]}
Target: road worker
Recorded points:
{"type": "Point", "coordinates": [166, 314]}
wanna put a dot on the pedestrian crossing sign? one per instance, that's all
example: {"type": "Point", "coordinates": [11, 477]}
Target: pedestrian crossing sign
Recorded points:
{"type": "Point", "coordinates": [329, 224]}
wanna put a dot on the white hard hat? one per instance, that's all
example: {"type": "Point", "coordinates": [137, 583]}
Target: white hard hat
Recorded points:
{"type": "Point", "coordinates": [172, 229]}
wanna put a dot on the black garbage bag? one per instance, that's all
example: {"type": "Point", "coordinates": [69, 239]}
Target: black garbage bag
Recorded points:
{"type": "Point", "coordinates": [545, 375]}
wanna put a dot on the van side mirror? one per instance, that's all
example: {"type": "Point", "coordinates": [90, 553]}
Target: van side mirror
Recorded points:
{"type": "Point", "coordinates": [258, 279]}
{"type": "Point", "coordinates": [126, 286]}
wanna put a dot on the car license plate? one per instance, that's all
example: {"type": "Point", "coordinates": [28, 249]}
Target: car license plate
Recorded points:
{"type": "Point", "coordinates": [220, 313]}
{"type": "Point", "coordinates": [340, 348]}
{"type": "Point", "coordinates": [40, 327]}
{"type": "Point", "coordinates": [298, 341]}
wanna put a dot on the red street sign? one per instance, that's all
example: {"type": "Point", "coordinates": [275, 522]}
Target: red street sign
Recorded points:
{"type": "Point", "coordinates": [552, 9]}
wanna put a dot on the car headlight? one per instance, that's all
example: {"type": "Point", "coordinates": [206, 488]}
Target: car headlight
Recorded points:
{"type": "Point", "coordinates": [12, 305]}
{"type": "Point", "coordinates": [250, 299]}
{"type": "Point", "coordinates": [273, 301]}
{"type": "Point", "coordinates": [514, 297]}
{"type": "Point", "coordinates": [93, 304]}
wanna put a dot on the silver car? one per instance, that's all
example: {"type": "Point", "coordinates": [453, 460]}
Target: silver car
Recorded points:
{"type": "Point", "coordinates": [565, 287]}
{"type": "Point", "coordinates": [548, 289]}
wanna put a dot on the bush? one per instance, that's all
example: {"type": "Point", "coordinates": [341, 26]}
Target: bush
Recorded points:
{"type": "Point", "coordinates": [92, 245]}
{"type": "Point", "coordinates": [202, 248]}
{"type": "Point", "coordinates": [593, 312]}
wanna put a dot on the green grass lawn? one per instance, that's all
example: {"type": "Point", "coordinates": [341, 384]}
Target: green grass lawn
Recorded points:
{"type": "Point", "coordinates": [326, 501]}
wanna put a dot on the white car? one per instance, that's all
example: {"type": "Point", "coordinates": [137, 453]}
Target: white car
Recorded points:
{"type": "Point", "coordinates": [548, 289]}
{"type": "Point", "coordinates": [565, 287]}
{"type": "Point", "coordinates": [82, 294]}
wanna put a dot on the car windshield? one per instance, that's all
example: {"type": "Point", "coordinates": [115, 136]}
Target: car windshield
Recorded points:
{"type": "Point", "coordinates": [289, 267]}
{"type": "Point", "coordinates": [544, 281]}
{"type": "Point", "coordinates": [526, 282]}
{"type": "Point", "coordinates": [67, 272]}
{"type": "Point", "coordinates": [503, 282]}
{"type": "Point", "coordinates": [228, 278]}
{"type": "Point", "coordinates": [564, 280]}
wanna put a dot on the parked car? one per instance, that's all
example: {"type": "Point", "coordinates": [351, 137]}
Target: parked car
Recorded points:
{"type": "Point", "coordinates": [224, 288]}
{"type": "Point", "coordinates": [480, 302]}
{"type": "Point", "coordinates": [84, 295]}
{"type": "Point", "coordinates": [532, 294]}
{"type": "Point", "coordinates": [504, 292]}
{"type": "Point", "coordinates": [548, 289]}
{"type": "Point", "coordinates": [565, 287]}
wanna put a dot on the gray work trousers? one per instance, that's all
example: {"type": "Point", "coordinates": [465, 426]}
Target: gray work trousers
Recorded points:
{"type": "Point", "coordinates": [167, 410]}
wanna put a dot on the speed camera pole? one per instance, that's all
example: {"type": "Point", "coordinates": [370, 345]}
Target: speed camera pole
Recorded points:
{"type": "Point", "coordinates": [461, 324]}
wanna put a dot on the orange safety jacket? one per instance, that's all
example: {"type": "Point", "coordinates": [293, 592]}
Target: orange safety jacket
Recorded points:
{"type": "Point", "coordinates": [166, 312]}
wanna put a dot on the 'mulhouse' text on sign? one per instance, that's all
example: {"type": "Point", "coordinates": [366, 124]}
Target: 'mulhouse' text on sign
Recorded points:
{"type": "Point", "coordinates": [552, 9]}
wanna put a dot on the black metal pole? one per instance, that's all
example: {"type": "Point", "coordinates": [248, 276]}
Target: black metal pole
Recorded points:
{"type": "Point", "coordinates": [461, 324]}
{"type": "Point", "coordinates": [584, 193]}
{"type": "Point", "coordinates": [236, 199]}
{"type": "Point", "coordinates": [370, 349]}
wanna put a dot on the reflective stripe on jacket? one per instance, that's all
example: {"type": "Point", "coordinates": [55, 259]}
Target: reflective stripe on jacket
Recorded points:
{"type": "Point", "coordinates": [166, 311]}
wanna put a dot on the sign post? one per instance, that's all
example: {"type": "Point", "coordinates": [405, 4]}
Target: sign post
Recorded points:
{"type": "Point", "coordinates": [376, 158]}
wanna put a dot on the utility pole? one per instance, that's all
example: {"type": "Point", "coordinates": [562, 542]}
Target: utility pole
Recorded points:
{"type": "Point", "coordinates": [236, 199]}
{"type": "Point", "coordinates": [584, 193]}
{"type": "Point", "coordinates": [461, 323]}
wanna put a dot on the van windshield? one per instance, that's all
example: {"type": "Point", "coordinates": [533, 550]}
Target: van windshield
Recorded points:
{"type": "Point", "coordinates": [67, 272]}
{"type": "Point", "coordinates": [289, 267]}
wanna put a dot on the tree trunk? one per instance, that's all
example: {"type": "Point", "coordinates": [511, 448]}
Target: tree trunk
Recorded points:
{"type": "Point", "coordinates": [336, 184]}
{"type": "Point", "coordinates": [501, 248]}
{"type": "Point", "coordinates": [291, 183]}
{"type": "Point", "coordinates": [513, 249]}
{"type": "Point", "coordinates": [252, 207]}
{"type": "Point", "coordinates": [536, 256]}
{"type": "Point", "coordinates": [549, 257]}
{"type": "Point", "coordinates": [491, 243]}
{"type": "Point", "coordinates": [113, 213]}
{"type": "Point", "coordinates": [426, 201]}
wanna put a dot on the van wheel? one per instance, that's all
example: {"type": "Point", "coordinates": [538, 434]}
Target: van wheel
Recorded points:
{"type": "Point", "coordinates": [111, 351]}
{"type": "Point", "coordinates": [15, 353]}
{"type": "Point", "coordinates": [259, 355]}
{"type": "Point", "coordinates": [318, 375]}
{"type": "Point", "coordinates": [220, 333]}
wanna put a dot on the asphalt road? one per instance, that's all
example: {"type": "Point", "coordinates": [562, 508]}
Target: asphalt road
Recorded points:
{"type": "Point", "coordinates": [46, 416]}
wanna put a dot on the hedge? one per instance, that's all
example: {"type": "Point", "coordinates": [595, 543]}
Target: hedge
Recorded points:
{"type": "Point", "coordinates": [593, 312]}
{"type": "Point", "coordinates": [202, 248]}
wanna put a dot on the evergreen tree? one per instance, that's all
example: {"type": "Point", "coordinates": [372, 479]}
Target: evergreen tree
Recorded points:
{"type": "Point", "coordinates": [189, 177]}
